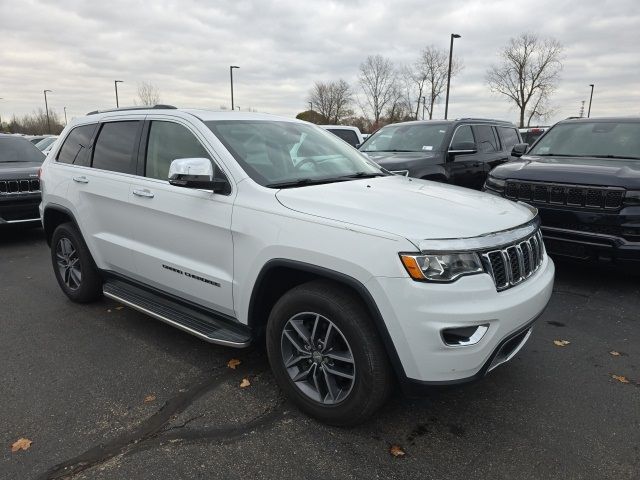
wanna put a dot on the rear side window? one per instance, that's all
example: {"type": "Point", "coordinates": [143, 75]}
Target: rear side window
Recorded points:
{"type": "Point", "coordinates": [76, 147]}
{"type": "Point", "coordinates": [116, 147]}
{"type": "Point", "coordinates": [348, 136]}
{"type": "Point", "coordinates": [508, 137]}
{"type": "Point", "coordinates": [486, 138]}
{"type": "Point", "coordinates": [167, 142]}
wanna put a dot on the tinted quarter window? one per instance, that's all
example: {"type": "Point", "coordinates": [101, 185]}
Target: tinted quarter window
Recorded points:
{"type": "Point", "coordinates": [508, 137]}
{"type": "Point", "coordinates": [76, 147]}
{"type": "Point", "coordinates": [116, 147]}
{"type": "Point", "coordinates": [167, 142]}
{"type": "Point", "coordinates": [485, 138]}
{"type": "Point", "coordinates": [463, 137]}
{"type": "Point", "coordinates": [348, 136]}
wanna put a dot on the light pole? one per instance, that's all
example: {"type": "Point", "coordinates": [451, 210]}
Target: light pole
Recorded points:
{"type": "Point", "coordinates": [446, 102]}
{"type": "Point", "coordinates": [65, 116]}
{"type": "Point", "coordinates": [311, 106]}
{"type": "Point", "coordinates": [0, 119]}
{"type": "Point", "coordinates": [424, 105]}
{"type": "Point", "coordinates": [590, 98]}
{"type": "Point", "coordinates": [115, 84]}
{"type": "Point", "coordinates": [46, 107]}
{"type": "Point", "coordinates": [231, 74]}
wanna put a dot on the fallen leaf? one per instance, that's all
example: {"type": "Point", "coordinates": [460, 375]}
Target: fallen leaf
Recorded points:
{"type": "Point", "coordinates": [561, 343]}
{"type": "Point", "coordinates": [119, 308]}
{"type": "Point", "coordinates": [109, 310]}
{"type": "Point", "coordinates": [149, 398]}
{"type": "Point", "coordinates": [614, 353]}
{"type": "Point", "coordinates": [233, 363]}
{"type": "Point", "coordinates": [397, 451]}
{"type": "Point", "coordinates": [245, 383]}
{"type": "Point", "coordinates": [621, 378]}
{"type": "Point", "coordinates": [21, 444]}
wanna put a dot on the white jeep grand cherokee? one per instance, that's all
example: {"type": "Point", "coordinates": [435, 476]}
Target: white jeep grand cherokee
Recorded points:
{"type": "Point", "coordinates": [238, 226]}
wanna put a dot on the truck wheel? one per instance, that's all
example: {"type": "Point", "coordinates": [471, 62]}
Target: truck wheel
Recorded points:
{"type": "Point", "coordinates": [326, 355]}
{"type": "Point", "coordinates": [73, 265]}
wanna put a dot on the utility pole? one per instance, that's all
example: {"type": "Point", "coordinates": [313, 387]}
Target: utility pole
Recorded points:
{"type": "Point", "coordinates": [65, 116]}
{"type": "Point", "coordinates": [582, 109]}
{"type": "Point", "coordinates": [231, 75]}
{"type": "Point", "coordinates": [115, 84]}
{"type": "Point", "coordinates": [590, 98]}
{"type": "Point", "coordinates": [46, 107]}
{"type": "Point", "coordinates": [446, 103]}
{"type": "Point", "coordinates": [0, 119]}
{"type": "Point", "coordinates": [424, 106]}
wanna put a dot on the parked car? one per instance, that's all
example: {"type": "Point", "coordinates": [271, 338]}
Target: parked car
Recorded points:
{"type": "Point", "coordinates": [349, 134]}
{"type": "Point", "coordinates": [36, 138]}
{"type": "Point", "coordinates": [584, 177]}
{"type": "Point", "coordinates": [531, 134]}
{"type": "Point", "coordinates": [19, 184]}
{"type": "Point", "coordinates": [44, 144]}
{"type": "Point", "coordinates": [357, 280]}
{"type": "Point", "coordinates": [461, 152]}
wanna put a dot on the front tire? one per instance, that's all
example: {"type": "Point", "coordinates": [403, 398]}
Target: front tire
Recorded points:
{"type": "Point", "coordinates": [73, 265]}
{"type": "Point", "coordinates": [326, 355]}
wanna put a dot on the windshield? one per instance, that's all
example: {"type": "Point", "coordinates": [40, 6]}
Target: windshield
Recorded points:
{"type": "Point", "coordinates": [45, 142]}
{"type": "Point", "coordinates": [402, 137]}
{"type": "Point", "coordinates": [19, 150]}
{"type": "Point", "coordinates": [591, 139]}
{"type": "Point", "coordinates": [276, 154]}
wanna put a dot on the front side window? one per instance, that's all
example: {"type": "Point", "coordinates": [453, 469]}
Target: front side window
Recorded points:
{"type": "Point", "coordinates": [591, 139]}
{"type": "Point", "coordinates": [509, 137]}
{"type": "Point", "coordinates": [419, 137]}
{"type": "Point", "coordinates": [274, 153]}
{"type": "Point", "coordinates": [486, 139]}
{"type": "Point", "coordinates": [463, 139]}
{"type": "Point", "coordinates": [116, 147]}
{"type": "Point", "coordinates": [169, 141]}
{"type": "Point", "coordinates": [76, 147]}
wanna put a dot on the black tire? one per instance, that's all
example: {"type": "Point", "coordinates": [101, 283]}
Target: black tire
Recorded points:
{"type": "Point", "coordinates": [89, 287]}
{"type": "Point", "coordinates": [373, 380]}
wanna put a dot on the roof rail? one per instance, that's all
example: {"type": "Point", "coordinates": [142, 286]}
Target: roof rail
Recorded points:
{"type": "Point", "coordinates": [484, 119]}
{"type": "Point", "coordinates": [124, 109]}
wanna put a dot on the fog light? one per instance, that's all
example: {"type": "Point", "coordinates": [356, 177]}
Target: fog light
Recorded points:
{"type": "Point", "coordinates": [464, 336]}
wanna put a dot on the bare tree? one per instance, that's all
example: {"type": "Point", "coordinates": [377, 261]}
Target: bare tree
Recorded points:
{"type": "Point", "coordinates": [379, 82]}
{"type": "Point", "coordinates": [36, 123]}
{"type": "Point", "coordinates": [528, 73]}
{"type": "Point", "coordinates": [148, 94]}
{"type": "Point", "coordinates": [331, 99]}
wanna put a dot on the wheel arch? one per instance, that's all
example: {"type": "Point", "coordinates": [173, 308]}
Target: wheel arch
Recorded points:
{"type": "Point", "coordinates": [278, 276]}
{"type": "Point", "coordinates": [53, 216]}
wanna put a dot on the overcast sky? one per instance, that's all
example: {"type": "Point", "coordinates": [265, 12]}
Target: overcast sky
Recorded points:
{"type": "Point", "coordinates": [78, 48]}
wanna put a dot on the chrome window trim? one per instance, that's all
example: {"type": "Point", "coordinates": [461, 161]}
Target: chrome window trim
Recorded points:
{"type": "Point", "coordinates": [491, 240]}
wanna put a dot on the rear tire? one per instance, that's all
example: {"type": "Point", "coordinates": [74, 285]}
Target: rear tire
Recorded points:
{"type": "Point", "coordinates": [73, 265]}
{"type": "Point", "coordinates": [341, 377]}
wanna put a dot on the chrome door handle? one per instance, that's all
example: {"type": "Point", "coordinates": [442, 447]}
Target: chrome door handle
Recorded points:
{"type": "Point", "coordinates": [143, 193]}
{"type": "Point", "coordinates": [82, 179]}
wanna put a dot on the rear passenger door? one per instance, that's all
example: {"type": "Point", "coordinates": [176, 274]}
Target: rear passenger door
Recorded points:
{"type": "Point", "coordinates": [100, 191]}
{"type": "Point", "coordinates": [183, 235]}
{"type": "Point", "coordinates": [489, 150]}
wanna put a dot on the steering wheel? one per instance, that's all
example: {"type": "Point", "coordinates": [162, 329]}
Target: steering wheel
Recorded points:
{"type": "Point", "coordinates": [304, 162]}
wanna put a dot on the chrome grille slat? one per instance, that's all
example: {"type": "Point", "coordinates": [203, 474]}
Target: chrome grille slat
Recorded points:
{"type": "Point", "coordinates": [576, 196]}
{"type": "Point", "coordinates": [19, 186]}
{"type": "Point", "coordinates": [512, 264]}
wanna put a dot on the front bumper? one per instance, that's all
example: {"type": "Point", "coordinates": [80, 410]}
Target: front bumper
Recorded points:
{"type": "Point", "coordinates": [19, 208]}
{"type": "Point", "coordinates": [416, 313]}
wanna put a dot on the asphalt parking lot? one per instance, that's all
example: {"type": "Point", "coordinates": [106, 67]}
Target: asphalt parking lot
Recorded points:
{"type": "Point", "coordinates": [107, 393]}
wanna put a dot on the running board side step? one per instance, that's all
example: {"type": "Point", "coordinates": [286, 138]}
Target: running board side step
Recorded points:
{"type": "Point", "coordinates": [204, 324]}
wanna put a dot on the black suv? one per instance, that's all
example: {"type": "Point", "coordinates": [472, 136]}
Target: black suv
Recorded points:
{"type": "Point", "coordinates": [461, 151]}
{"type": "Point", "coordinates": [584, 177]}
{"type": "Point", "coordinates": [19, 184]}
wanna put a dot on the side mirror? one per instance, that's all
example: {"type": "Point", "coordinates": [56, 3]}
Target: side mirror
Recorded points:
{"type": "Point", "coordinates": [196, 173]}
{"type": "Point", "coordinates": [463, 147]}
{"type": "Point", "coordinates": [519, 149]}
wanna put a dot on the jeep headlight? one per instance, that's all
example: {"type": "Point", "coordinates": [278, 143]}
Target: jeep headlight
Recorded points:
{"type": "Point", "coordinates": [496, 184]}
{"type": "Point", "coordinates": [441, 267]}
{"type": "Point", "coordinates": [632, 198]}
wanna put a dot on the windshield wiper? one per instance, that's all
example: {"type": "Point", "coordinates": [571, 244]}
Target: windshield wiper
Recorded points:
{"type": "Point", "coordinates": [552, 155]}
{"type": "Point", "coordinates": [615, 156]}
{"type": "Point", "coordinates": [364, 175]}
{"type": "Point", "coordinates": [383, 151]}
{"type": "Point", "coordinates": [300, 182]}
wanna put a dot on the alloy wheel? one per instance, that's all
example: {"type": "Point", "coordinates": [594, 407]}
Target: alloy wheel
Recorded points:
{"type": "Point", "coordinates": [68, 263]}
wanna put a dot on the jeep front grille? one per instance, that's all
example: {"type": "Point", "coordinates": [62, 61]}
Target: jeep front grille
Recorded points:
{"type": "Point", "coordinates": [512, 264]}
{"type": "Point", "coordinates": [577, 196]}
{"type": "Point", "coordinates": [23, 185]}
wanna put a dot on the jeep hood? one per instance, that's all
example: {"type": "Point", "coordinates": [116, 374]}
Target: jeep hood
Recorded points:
{"type": "Point", "coordinates": [611, 172]}
{"type": "Point", "coordinates": [412, 208]}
